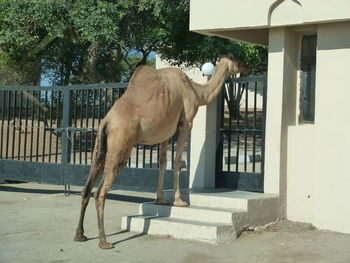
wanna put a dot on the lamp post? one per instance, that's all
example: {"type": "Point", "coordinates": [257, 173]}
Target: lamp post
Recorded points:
{"type": "Point", "coordinates": [208, 69]}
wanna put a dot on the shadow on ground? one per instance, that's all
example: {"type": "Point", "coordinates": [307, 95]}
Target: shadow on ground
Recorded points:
{"type": "Point", "coordinates": [110, 196]}
{"type": "Point", "coordinates": [118, 233]}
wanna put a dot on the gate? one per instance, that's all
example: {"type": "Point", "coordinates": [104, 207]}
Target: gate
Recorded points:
{"type": "Point", "coordinates": [240, 152]}
{"type": "Point", "coordinates": [47, 135]}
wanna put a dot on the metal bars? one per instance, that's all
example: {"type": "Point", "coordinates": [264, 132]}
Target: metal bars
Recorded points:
{"type": "Point", "coordinates": [59, 125]}
{"type": "Point", "coordinates": [241, 139]}
{"type": "Point", "coordinates": [25, 132]}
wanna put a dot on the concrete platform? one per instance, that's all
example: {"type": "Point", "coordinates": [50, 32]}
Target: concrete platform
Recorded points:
{"type": "Point", "coordinates": [197, 213]}
{"type": "Point", "coordinates": [179, 228]}
{"type": "Point", "coordinates": [214, 216]}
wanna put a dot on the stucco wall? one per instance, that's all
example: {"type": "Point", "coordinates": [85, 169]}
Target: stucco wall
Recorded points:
{"type": "Point", "coordinates": [318, 167]}
{"type": "Point", "coordinates": [225, 14]}
{"type": "Point", "coordinates": [308, 164]}
{"type": "Point", "coordinates": [232, 18]}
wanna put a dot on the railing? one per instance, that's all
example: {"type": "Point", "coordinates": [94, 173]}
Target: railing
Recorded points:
{"type": "Point", "coordinates": [240, 155]}
{"type": "Point", "coordinates": [46, 124]}
{"type": "Point", "coordinates": [58, 125]}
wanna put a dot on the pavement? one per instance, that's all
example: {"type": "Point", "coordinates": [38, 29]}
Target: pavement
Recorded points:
{"type": "Point", "coordinates": [37, 224]}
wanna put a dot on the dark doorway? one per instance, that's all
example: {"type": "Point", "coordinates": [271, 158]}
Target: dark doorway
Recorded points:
{"type": "Point", "coordinates": [240, 148]}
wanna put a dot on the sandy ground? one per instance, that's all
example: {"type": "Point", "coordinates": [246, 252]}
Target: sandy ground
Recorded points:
{"type": "Point", "coordinates": [38, 224]}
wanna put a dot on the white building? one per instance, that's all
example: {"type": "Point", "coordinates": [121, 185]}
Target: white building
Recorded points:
{"type": "Point", "coordinates": [307, 143]}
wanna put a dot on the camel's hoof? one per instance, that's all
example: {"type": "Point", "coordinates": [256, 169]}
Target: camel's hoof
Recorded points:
{"type": "Point", "coordinates": [80, 238]}
{"type": "Point", "coordinates": [162, 202]}
{"type": "Point", "coordinates": [105, 245]}
{"type": "Point", "coordinates": [180, 203]}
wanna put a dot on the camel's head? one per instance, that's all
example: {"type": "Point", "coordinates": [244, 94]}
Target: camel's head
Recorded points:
{"type": "Point", "coordinates": [235, 65]}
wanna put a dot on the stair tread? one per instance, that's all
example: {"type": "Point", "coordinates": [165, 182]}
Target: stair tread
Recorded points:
{"type": "Point", "coordinates": [242, 195]}
{"type": "Point", "coordinates": [200, 207]}
{"type": "Point", "coordinates": [181, 220]}
{"type": "Point", "coordinates": [226, 193]}
{"type": "Point", "coordinates": [231, 210]}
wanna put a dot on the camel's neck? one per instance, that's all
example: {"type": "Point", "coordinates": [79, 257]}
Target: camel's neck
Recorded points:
{"type": "Point", "coordinates": [208, 91]}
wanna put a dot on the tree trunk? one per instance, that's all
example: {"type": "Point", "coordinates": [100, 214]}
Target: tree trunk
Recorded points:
{"type": "Point", "coordinates": [91, 64]}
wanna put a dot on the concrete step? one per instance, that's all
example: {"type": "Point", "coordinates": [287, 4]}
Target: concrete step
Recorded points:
{"type": "Point", "coordinates": [197, 213]}
{"type": "Point", "coordinates": [214, 216]}
{"type": "Point", "coordinates": [218, 201]}
{"type": "Point", "coordinates": [180, 228]}
{"type": "Point", "coordinates": [219, 198]}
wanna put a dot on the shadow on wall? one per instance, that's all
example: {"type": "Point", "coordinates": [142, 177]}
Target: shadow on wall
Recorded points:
{"type": "Point", "coordinates": [332, 37]}
{"type": "Point", "coordinates": [204, 172]}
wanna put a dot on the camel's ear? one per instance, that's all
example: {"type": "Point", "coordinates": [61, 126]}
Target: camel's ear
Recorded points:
{"type": "Point", "coordinates": [243, 67]}
{"type": "Point", "coordinates": [230, 57]}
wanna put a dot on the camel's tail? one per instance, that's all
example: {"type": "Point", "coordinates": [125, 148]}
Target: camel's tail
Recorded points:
{"type": "Point", "coordinates": [100, 149]}
{"type": "Point", "coordinates": [98, 159]}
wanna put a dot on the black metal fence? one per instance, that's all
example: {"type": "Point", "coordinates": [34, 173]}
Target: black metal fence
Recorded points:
{"type": "Point", "coordinates": [240, 156]}
{"type": "Point", "coordinates": [47, 134]}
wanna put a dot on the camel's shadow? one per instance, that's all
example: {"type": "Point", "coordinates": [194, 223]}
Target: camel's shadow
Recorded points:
{"type": "Point", "coordinates": [118, 233]}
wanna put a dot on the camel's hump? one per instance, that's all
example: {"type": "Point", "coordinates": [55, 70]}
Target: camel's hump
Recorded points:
{"type": "Point", "coordinates": [144, 74]}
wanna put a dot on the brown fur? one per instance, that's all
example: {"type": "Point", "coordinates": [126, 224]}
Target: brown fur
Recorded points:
{"type": "Point", "coordinates": [155, 105]}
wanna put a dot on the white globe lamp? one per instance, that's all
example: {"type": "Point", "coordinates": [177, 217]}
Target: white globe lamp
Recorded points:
{"type": "Point", "coordinates": [208, 69]}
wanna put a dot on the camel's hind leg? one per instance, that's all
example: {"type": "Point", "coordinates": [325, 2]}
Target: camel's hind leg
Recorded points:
{"type": "Point", "coordinates": [162, 167]}
{"type": "Point", "coordinates": [184, 131]}
{"type": "Point", "coordinates": [118, 153]}
{"type": "Point", "coordinates": [97, 164]}
{"type": "Point", "coordinates": [85, 197]}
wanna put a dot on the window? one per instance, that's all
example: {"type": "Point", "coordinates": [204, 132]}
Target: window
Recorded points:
{"type": "Point", "coordinates": [308, 77]}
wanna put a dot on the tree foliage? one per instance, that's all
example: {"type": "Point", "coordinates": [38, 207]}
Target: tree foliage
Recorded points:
{"type": "Point", "coordinates": [89, 41]}
{"type": "Point", "coordinates": [184, 47]}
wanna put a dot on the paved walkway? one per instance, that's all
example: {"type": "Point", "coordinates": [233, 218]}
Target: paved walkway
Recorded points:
{"type": "Point", "coordinates": [38, 224]}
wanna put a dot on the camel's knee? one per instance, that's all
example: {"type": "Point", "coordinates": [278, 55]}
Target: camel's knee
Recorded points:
{"type": "Point", "coordinates": [177, 164]}
{"type": "Point", "coordinates": [99, 201]}
{"type": "Point", "coordinates": [163, 159]}
{"type": "Point", "coordinates": [101, 193]}
{"type": "Point", "coordinates": [83, 194]}
{"type": "Point", "coordinates": [98, 196]}
{"type": "Point", "coordinates": [86, 192]}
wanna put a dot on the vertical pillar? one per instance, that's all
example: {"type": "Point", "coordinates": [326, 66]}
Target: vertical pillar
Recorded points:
{"type": "Point", "coordinates": [281, 109]}
{"type": "Point", "coordinates": [203, 148]}
{"type": "Point", "coordinates": [274, 111]}
{"type": "Point", "coordinates": [67, 119]}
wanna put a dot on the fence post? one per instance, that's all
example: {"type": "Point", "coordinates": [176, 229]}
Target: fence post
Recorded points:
{"type": "Point", "coordinates": [219, 136]}
{"type": "Point", "coordinates": [264, 132]}
{"type": "Point", "coordinates": [67, 120]}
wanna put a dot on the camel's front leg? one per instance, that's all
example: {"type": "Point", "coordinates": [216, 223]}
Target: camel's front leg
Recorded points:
{"type": "Point", "coordinates": [184, 131]}
{"type": "Point", "coordinates": [162, 168]}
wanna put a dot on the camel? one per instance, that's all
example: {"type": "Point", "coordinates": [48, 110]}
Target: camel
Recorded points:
{"type": "Point", "coordinates": [155, 105]}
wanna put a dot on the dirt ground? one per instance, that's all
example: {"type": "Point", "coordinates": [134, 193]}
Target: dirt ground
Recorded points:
{"type": "Point", "coordinates": [38, 224]}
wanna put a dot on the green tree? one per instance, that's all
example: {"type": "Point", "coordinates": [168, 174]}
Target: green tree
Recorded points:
{"type": "Point", "coordinates": [61, 38]}
{"type": "Point", "coordinates": [91, 41]}
{"type": "Point", "coordinates": [182, 46]}
{"type": "Point", "coordinates": [25, 29]}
